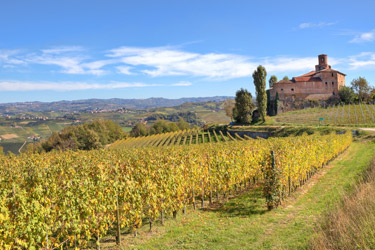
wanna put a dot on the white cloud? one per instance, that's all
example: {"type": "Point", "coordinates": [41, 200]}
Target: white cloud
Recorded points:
{"type": "Point", "coordinates": [69, 86]}
{"type": "Point", "coordinates": [65, 86]}
{"type": "Point", "coordinates": [166, 61]}
{"type": "Point", "coordinates": [124, 70]}
{"type": "Point", "coordinates": [362, 60]}
{"type": "Point", "coordinates": [364, 37]}
{"type": "Point", "coordinates": [182, 84]}
{"type": "Point", "coordinates": [62, 49]}
{"type": "Point", "coordinates": [160, 62]}
{"type": "Point", "coordinates": [71, 65]}
{"type": "Point", "coordinates": [7, 57]}
{"type": "Point", "coordinates": [315, 25]}
{"type": "Point", "coordinates": [71, 61]}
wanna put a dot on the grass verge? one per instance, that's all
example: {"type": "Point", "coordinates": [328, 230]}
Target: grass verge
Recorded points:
{"type": "Point", "coordinates": [351, 225]}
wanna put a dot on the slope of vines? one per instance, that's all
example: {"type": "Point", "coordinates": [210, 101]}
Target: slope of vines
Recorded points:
{"type": "Point", "coordinates": [185, 137]}
{"type": "Point", "coordinates": [358, 114]}
{"type": "Point", "coordinates": [72, 197]}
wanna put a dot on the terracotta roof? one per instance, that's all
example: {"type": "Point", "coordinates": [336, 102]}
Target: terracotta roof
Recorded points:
{"type": "Point", "coordinates": [306, 79]}
{"type": "Point", "coordinates": [309, 74]}
{"type": "Point", "coordinates": [332, 70]}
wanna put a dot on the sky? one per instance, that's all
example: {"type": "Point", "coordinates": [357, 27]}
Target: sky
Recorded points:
{"type": "Point", "coordinates": [69, 50]}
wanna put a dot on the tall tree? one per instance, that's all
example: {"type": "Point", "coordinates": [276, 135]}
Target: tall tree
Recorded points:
{"type": "Point", "coordinates": [286, 78]}
{"type": "Point", "coordinates": [361, 88]}
{"type": "Point", "coordinates": [259, 77]}
{"type": "Point", "coordinates": [272, 81]}
{"type": "Point", "coordinates": [243, 107]}
{"type": "Point", "coordinates": [228, 108]}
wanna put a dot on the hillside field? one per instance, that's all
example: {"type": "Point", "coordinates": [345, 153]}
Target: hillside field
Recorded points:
{"type": "Point", "coordinates": [362, 115]}
{"type": "Point", "coordinates": [25, 129]}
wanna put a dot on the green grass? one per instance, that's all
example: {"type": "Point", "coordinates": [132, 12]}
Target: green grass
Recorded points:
{"type": "Point", "coordinates": [244, 222]}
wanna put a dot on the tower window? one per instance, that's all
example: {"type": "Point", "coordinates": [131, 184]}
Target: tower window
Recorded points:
{"type": "Point", "coordinates": [333, 83]}
{"type": "Point", "coordinates": [282, 89]}
{"type": "Point", "coordinates": [326, 83]}
{"type": "Point", "coordinates": [292, 89]}
{"type": "Point", "coordinates": [332, 74]}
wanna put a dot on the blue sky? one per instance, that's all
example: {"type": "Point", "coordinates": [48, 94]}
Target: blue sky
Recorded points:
{"type": "Point", "coordinates": [66, 50]}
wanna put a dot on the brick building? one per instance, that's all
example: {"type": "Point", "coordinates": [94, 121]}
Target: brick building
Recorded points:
{"type": "Point", "coordinates": [320, 84]}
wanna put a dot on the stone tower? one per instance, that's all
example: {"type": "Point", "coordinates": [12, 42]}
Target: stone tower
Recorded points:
{"type": "Point", "coordinates": [323, 63]}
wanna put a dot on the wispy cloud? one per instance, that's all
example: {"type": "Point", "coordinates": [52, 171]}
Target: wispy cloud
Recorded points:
{"type": "Point", "coordinates": [167, 61]}
{"type": "Point", "coordinates": [158, 62]}
{"type": "Point", "coordinates": [72, 60]}
{"type": "Point", "coordinates": [7, 57]}
{"type": "Point", "coordinates": [182, 84]}
{"type": "Point", "coordinates": [364, 37]}
{"type": "Point", "coordinates": [315, 25]}
{"type": "Point", "coordinates": [124, 70]}
{"type": "Point", "coordinates": [70, 86]}
{"type": "Point", "coordinates": [65, 86]}
{"type": "Point", "coordinates": [63, 49]}
{"type": "Point", "coordinates": [362, 60]}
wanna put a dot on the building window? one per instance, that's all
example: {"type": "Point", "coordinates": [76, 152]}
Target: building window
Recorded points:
{"type": "Point", "coordinates": [326, 83]}
{"type": "Point", "coordinates": [333, 83]}
{"type": "Point", "coordinates": [292, 89]}
{"type": "Point", "coordinates": [332, 74]}
{"type": "Point", "coordinates": [282, 89]}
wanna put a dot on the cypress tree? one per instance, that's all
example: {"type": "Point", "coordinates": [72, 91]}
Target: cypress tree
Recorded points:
{"type": "Point", "coordinates": [259, 77]}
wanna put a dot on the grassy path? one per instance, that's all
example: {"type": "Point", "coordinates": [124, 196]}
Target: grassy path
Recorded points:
{"type": "Point", "coordinates": [244, 222]}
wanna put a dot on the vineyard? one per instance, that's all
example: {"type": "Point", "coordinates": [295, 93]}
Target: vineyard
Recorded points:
{"type": "Point", "coordinates": [359, 114]}
{"type": "Point", "coordinates": [186, 137]}
{"type": "Point", "coordinates": [70, 198]}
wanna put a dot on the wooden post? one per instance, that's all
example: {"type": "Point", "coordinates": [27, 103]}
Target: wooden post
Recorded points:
{"type": "Point", "coordinates": [162, 217]}
{"type": "Point", "coordinates": [118, 228]}
{"type": "Point", "coordinates": [194, 199]}
{"type": "Point", "coordinates": [202, 200]}
{"type": "Point", "coordinates": [210, 195]}
{"type": "Point", "coordinates": [98, 242]}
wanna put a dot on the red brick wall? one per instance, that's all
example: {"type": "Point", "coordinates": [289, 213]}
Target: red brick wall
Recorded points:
{"type": "Point", "coordinates": [329, 85]}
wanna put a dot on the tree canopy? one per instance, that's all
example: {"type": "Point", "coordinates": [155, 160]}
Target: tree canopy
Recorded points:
{"type": "Point", "coordinates": [228, 108]}
{"type": "Point", "coordinates": [87, 136]}
{"type": "Point", "coordinates": [346, 95]}
{"type": "Point", "coordinates": [272, 81]}
{"type": "Point", "coordinates": [243, 107]}
{"type": "Point", "coordinates": [361, 88]}
{"type": "Point", "coordinates": [159, 127]}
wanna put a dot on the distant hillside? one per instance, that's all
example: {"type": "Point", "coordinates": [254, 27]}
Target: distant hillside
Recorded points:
{"type": "Point", "coordinates": [102, 104]}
